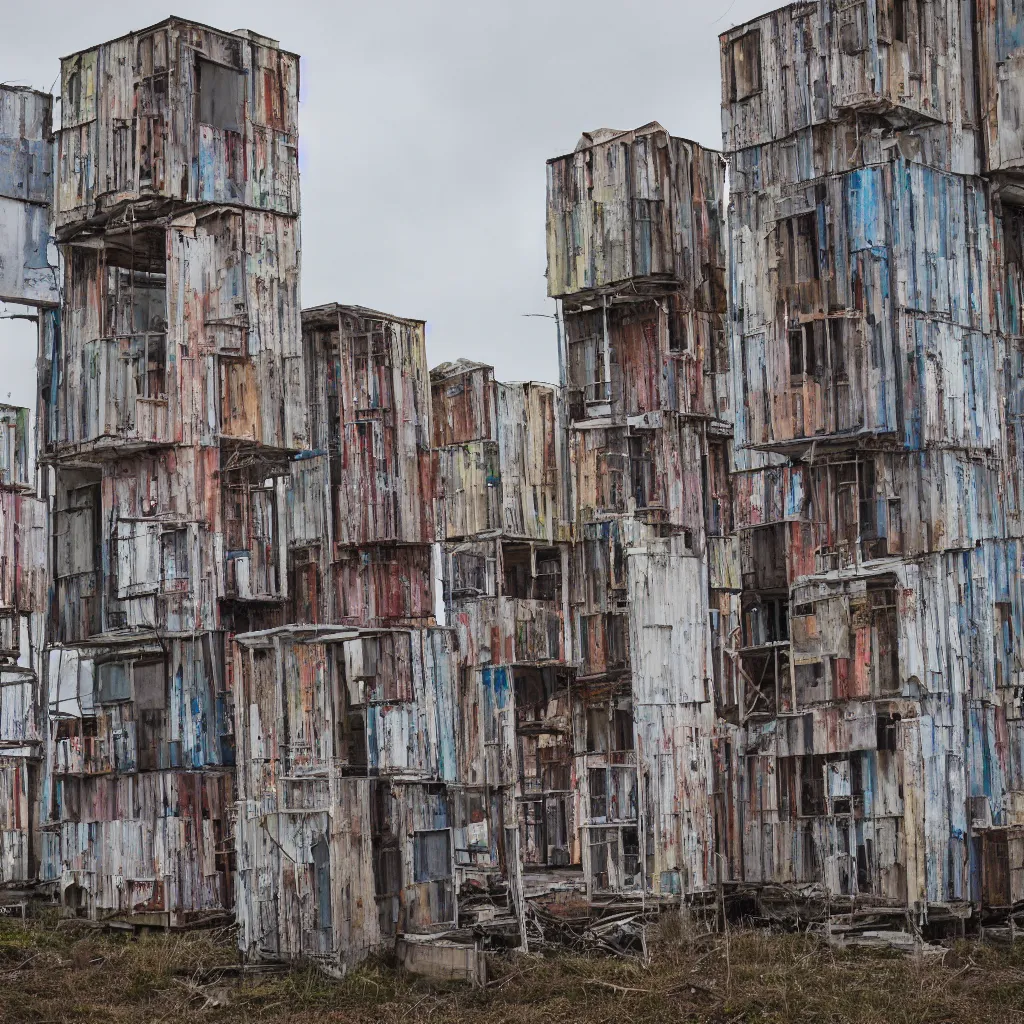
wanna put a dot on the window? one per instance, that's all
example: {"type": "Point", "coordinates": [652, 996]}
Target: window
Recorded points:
{"type": "Point", "coordinates": [598, 778]}
{"type": "Point", "coordinates": [432, 858]}
{"type": "Point", "coordinates": [369, 352]}
{"type": "Point", "coordinates": [517, 574]}
{"type": "Point", "coordinates": [746, 66]}
{"type": "Point", "coordinates": [805, 342]}
{"type": "Point", "coordinates": [469, 574]}
{"type": "Point", "coordinates": [641, 470]}
{"type": "Point", "coordinates": [221, 96]}
{"type": "Point", "coordinates": [112, 679]}
{"type": "Point", "coordinates": [174, 560]}
{"type": "Point", "coordinates": [679, 331]}
{"type": "Point", "coordinates": [766, 621]}
{"type": "Point", "coordinates": [74, 94]}
{"type": "Point", "coordinates": [884, 640]}
{"type": "Point", "coordinates": [812, 786]}
{"type": "Point", "coordinates": [548, 578]}
{"type": "Point", "coordinates": [886, 732]}
{"type": "Point", "coordinates": [135, 316]}
{"type": "Point", "coordinates": [900, 20]}
{"type": "Point", "coordinates": [586, 349]}
{"type": "Point", "coordinates": [799, 244]}
{"type": "Point", "coordinates": [147, 354]}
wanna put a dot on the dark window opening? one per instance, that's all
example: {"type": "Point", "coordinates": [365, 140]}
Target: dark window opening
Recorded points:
{"type": "Point", "coordinates": [641, 470]}
{"type": "Point", "coordinates": [517, 571]}
{"type": "Point", "coordinates": [812, 786]}
{"type": "Point", "coordinates": [805, 345]}
{"type": "Point", "coordinates": [899, 20]}
{"type": "Point", "coordinates": [432, 856]}
{"type": "Point", "coordinates": [886, 732]}
{"type": "Point", "coordinates": [766, 621]}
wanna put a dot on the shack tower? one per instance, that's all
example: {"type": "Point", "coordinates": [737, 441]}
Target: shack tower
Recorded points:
{"type": "Point", "coordinates": [172, 396]}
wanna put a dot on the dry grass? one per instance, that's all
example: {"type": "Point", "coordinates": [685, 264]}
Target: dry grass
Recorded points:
{"type": "Point", "coordinates": [55, 973]}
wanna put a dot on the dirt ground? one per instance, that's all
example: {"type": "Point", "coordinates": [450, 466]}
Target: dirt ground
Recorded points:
{"type": "Point", "coordinates": [63, 972]}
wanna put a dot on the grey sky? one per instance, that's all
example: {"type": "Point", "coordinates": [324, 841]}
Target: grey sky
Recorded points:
{"type": "Point", "coordinates": [424, 128]}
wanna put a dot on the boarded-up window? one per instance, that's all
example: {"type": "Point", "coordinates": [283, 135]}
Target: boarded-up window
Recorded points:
{"type": "Point", "coordinates": [112, 682]}
{"type": "Point", "coordinates": [221, 96]}
{"type": "Point", "coordinates": [853, 29]}
{"type": "Point", "coordinates": [432, 855]}
{"type": "Point", "coordinates": [746, 66]}
{"type": "Point", "coordinates": [138, 552]}
{"type": "Point", "coordinates": [150, 685]}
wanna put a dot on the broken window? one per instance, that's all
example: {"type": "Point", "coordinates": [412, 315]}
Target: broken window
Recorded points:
{"type": "Point", "coordinates": [135, 316]}
{"type": "Point", "coordinates": [746, 66]}
{"type": "Point", "coordinates": [221, 95]}
{"type": "Point", "coordinates": [763, 557]}
{"type": "Point", "coordinates": [614, 858]}
{"type": "Point", "coordinates": [432, 858]}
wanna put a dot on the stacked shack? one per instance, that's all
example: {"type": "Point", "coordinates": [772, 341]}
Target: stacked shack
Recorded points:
{"type": "Point", "coordinates": [26, 278]}
{"type": "Point", "coordinates": [505, 568]}
{"type": "Point", "coordinates": [876, 357]}
{"type": "Point", "coordinates": [636, 263]}
{"type": "Point", "coordinates": [172, 395]}
{"type": "Point", "coordinates": [785, 663]}
{"type": "Point", "coordinates": [351, 818]}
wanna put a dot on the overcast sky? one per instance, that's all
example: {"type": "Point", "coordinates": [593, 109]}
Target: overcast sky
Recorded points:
{"type": "Point", "coordinates": [424, 130]}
